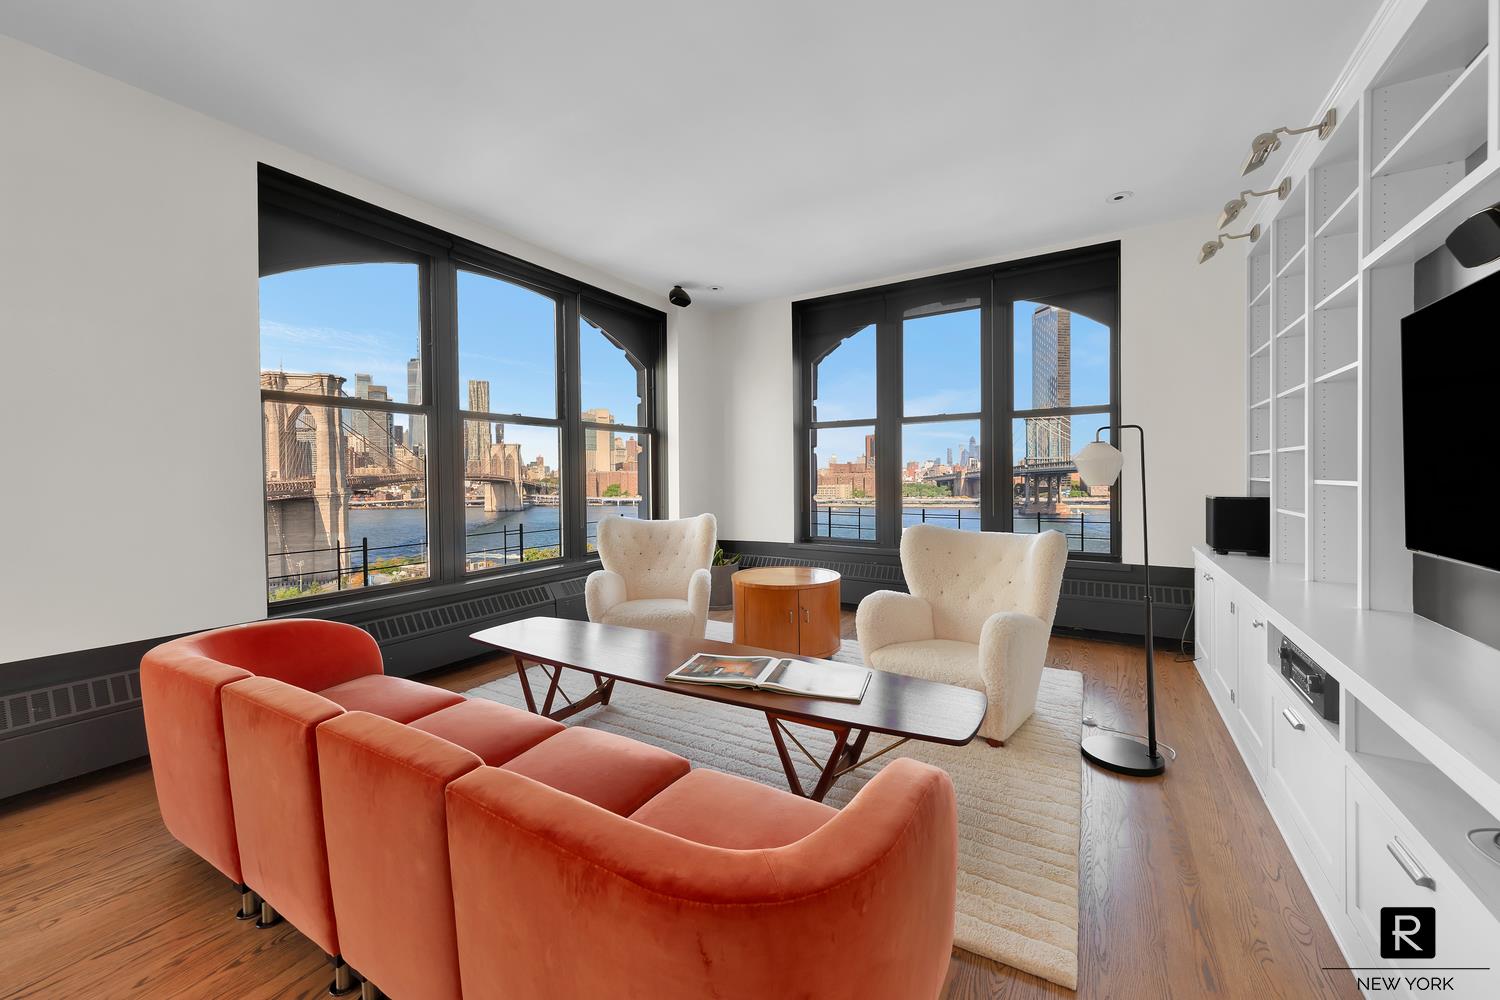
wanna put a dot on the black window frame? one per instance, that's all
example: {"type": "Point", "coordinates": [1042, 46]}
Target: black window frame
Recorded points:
{"type": "Point", "coordinates": [443, 255]}
{"type": "Point", "coordinates": [815, 333]}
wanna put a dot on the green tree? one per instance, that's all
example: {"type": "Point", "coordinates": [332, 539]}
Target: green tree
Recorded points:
{"type": "Point", "coordinates": [614, 490]}
{"type": "Point", "coordinates": [925, 490]}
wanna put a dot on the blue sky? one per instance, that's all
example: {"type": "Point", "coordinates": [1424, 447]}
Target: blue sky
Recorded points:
{"type": "Point", "coordinates": [941, 375]}
{"type": "Point", "coordinates": [366, 318]}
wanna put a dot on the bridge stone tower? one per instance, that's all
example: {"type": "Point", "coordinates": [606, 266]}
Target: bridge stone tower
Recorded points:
{"type": "Point", "coordinates": [307, 478]}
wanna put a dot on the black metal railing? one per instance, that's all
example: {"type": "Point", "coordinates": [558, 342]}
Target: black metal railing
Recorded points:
{"type": "Point", "coordinates": [859, 522]}
{"type": "Point", "coordinates": [353, 565]}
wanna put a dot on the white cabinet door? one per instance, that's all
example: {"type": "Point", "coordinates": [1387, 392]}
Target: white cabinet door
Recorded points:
{"type": "Point", "coordinates": [1203, 617]}
{"type": "Point", "coordinates": [1252, 699]}
{"type": "Point", "coordinates": [1305, 779]}
{"type": "Point", "coordinates": [1390, 866]}
{"type": "Point", "coordinates": [1224, 670]}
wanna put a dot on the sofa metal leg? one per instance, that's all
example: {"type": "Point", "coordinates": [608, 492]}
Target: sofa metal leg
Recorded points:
{"type": "Point", "coordinates": [994, 743]}
{"type": "Point", "coordinates": [268, 916]}
{"type": "Point", "coordinates": [367, 991]}
{"type": "Point", "coordinates": [249, 904]}
{"type": "Point", "coordinates": [343, 978]}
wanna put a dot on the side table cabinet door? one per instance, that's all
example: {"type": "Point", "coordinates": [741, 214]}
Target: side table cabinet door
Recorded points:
{"type": "Point", "coordinates": [818, 614]}
{"type": "Point", "coordinates": [767, 617]}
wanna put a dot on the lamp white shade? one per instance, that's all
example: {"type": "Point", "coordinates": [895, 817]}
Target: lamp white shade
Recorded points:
{"type": "Point", "coordinates": [1099, 463]}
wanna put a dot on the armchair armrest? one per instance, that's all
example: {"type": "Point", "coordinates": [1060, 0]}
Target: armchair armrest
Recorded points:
{"type": "Point", "coordinates": [699, 585]}
{"type": "Point", "coordinates": [602, 591]}
{"type": "Point", "coordinates": [889, 616]}
{"type": "Point", "coordinates": [1012, 652]}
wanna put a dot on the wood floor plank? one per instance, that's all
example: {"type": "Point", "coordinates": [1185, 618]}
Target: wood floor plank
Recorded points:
{"type": "Point", "coordinates": [1186, 888]}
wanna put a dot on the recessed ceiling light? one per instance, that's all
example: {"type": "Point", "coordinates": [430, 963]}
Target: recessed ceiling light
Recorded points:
{"type": "Point", "coordinates": [1120, 196]}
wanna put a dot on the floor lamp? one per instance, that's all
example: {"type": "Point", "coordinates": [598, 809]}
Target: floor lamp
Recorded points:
{"type": "Point", "coordinates": [1099, 464]}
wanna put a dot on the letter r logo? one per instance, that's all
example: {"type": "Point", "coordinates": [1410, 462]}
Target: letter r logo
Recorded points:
{"type": "Point", "coordinates": [1408, 932]}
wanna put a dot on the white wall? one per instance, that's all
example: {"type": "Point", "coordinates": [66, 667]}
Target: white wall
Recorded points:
{"type": "Point", "coordinates": [130, 460]}
{"type": "Point", "coordinates": [1181, 372]}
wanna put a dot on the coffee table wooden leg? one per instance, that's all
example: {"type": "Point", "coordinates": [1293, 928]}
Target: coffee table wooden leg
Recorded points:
{"type": "Point", "coordinates": [854, 749]}
{"type": "Point", "coordinates": [526, 686]}
{"type": "Point", "coordinates": [793, 782]}
{"type": "Point", "coordinates": [831, 769]}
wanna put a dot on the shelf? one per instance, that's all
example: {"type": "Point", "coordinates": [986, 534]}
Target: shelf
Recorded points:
{"type": "Point", "coordinates": [1261, 349]}
{"type": "Point", "coordinates": [1341, 372]}
{"type": "Point", "coordinates": [1430, 227]}
{"type": "Point", "coordinates": [1293, 447]}
{"type": "Point", "coordinates": [1344, 219]}
{"type": "Point", "coordinates": [1451, 129]}
{"type": "Point", "coordinates": [1260, 479]}
{"type": "Point", "coordinates": [1263, 402]}
{"type": "Point", "coordinates": [1255, 299]}
{"type": "Point", "coordinates": [1284, 331]}
{"type": "Point", "coordinates": [1342, 297]}
{"type": "Point", "coordinates": [1335, 482]}
{"type": "Point", "coordinates": [1295, 265]}
{"type": "Point", "coordinates": [1261, 451]}
{"type": "Point", "coordinates": [1291, 513]}
{"type": "Point", "coordinates": [1293, 391]}
{"type": "Point", "coordinates": [1440, 812]}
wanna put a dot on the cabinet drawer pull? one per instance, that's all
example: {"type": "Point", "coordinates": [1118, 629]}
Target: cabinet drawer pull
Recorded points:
{"type": "Point", "coordinates": [805, 615]}
{"type": "Point", "coordinates": [789, 618]}
{"type": "Point", "coordinates": [1409, 864]}
{"type": "Point", "coordinates": [1292, 720]}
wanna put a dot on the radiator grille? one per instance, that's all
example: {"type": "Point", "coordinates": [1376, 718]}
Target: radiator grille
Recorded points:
{"type": "Point", "coordinates": [411, 624]}
{"type": "Point", "coordinates": [31, 710]}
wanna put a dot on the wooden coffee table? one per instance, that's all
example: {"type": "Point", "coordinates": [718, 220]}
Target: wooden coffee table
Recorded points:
{"type": "Point", "coordinates": [791, 608]}
{"type": "Point", "coordinates": [906, 708]}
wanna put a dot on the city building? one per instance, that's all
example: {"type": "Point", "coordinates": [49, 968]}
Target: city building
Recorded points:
{"type": "Point", "coordinates": [417, 439]}
{"type": "Point", "coordinates": [1051, 383]}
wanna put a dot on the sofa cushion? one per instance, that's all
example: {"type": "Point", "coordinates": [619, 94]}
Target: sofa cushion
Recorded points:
{"type": "Point", "coordinates": [945, 660]}
{"type": "Point", "coordinates": [722, 810]}
{"type": "Point", "coordinates": [394, 698]}
{"type": "Point", "coordinates": [612, 772]}
{"type": "Point", "coordinates": [495, 732]}
{"type": "Point", "coordinates": [659, 614]}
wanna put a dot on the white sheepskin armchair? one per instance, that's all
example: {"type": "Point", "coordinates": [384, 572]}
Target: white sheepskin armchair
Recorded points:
{"type": "Point", "coordinates": [979, 615]}
{"type": "Point", "coordinates": [655, 574]}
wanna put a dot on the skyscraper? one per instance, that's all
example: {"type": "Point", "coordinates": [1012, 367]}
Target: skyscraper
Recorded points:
{"type": "Point", "coordinates": [950, 456]}
{"type": "Point", "coordinates": [596, 441]}
{"type": "Point", "coordinates": [1051, 382]}
{"type": "Point", "coordinates": [416, 439]}
{"type": "Point", "coordinates": [477, 433]}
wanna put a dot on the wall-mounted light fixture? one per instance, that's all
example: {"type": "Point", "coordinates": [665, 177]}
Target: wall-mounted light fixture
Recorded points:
{"type": "Point", "coordinates": [1267, 143]}
{"type": "Point", "coordinates": [1233, 208]}
{"type": "Point", "coordinates": [1214, 246]}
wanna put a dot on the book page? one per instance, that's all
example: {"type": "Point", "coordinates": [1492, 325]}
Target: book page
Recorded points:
{"type": "Point", "coordinates": [819, 680]}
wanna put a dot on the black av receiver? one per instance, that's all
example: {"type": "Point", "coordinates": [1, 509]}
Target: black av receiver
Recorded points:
{"type": "Point", "coordinates": [1316, 686]}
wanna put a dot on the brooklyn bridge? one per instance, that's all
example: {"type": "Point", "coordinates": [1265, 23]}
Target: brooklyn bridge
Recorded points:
{"type": "Point", "coordinates": [318, 459]}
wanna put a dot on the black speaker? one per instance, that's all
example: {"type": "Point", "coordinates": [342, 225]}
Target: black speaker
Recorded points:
{"type": "Point", "coordinates": [1476, 241]}
{"type": "Point", "coordinates": [1238, 524]}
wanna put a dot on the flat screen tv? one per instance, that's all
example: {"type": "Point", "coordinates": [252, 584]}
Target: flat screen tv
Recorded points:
{"type": "Point", "coordinates": [1450, 399]}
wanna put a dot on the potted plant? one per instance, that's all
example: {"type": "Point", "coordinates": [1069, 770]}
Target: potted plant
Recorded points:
{"type": "Point", "coordinates": [721, 595]}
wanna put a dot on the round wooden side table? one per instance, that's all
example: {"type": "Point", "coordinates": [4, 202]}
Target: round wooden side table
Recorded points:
{"type": "Point", "coordinates": [794, 609]}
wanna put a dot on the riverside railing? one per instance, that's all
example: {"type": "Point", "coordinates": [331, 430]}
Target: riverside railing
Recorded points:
{"type": "Point", "coordinates": [859, 522]}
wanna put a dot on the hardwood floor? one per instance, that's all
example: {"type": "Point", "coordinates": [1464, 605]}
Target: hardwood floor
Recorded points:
{"type": "Point", "coordinates": [1186, 887]}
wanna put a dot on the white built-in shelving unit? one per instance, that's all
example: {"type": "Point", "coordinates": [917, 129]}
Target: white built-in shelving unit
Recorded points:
{"type": "Point", "coordinates": [1414, 153]}
{"type": "Point", "coordinates": [1376, 806]}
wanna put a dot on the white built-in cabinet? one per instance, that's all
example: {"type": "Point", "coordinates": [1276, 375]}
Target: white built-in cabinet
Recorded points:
{"type": "Point", "coordinates": [1375, 807]}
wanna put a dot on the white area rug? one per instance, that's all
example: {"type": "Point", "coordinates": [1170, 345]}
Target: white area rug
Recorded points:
{"type": "Point", "coordinates": [1018, 805]}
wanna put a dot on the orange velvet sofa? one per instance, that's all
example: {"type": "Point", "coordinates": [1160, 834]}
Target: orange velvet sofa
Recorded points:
{"type": "Point", "coordinates": [716, 887]}
{"type": "Point", "coordinates": [181, 682]}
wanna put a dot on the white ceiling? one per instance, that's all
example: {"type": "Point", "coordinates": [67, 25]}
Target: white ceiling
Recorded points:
{"type": "Point", "coordinates": [773, 147]}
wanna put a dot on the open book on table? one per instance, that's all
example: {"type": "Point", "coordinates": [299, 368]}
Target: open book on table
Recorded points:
{"type": "Point", "coordinates": [833, 681]}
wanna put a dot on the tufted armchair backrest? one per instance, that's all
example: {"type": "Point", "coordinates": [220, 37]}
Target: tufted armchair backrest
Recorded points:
{"type": "Point", "coordinates": [656, 558]}
{"type": "Point", "coordinates": [969, 575]}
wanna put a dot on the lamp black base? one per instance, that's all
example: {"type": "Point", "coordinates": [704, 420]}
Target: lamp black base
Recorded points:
{"type": "Point", "coordinates": [1122, 754]}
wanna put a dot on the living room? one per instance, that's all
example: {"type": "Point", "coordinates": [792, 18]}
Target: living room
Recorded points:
{"type": "Point", "coordinates": [829, 500]}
